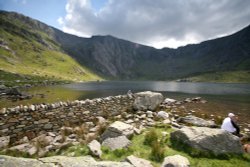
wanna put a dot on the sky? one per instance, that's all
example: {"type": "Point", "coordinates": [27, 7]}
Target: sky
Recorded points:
{"type": "Point", "coordinates": [157, 23]}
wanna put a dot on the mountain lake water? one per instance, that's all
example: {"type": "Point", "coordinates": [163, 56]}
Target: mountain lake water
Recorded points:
{"type": "Point", "coordinates": [222, 97]}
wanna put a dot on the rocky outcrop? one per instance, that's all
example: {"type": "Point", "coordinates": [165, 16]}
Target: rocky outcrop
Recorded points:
{"type": "Point", "coordinates": [215, 141]}
{"type": "Point", "coordinates": [116, 142]}
{"type": "Point", "coordinates": [175, 161]}
{"type": "Point", "coordinates": [62, 161]}
{"type": "Point", "coordinates": [116, 129]}
{"type": "Point", "coordinates": [147, 100]}
{"type": "Point", "coordinates": [196, 121]}
{"type": "Point", "coordinates": [138, 162]}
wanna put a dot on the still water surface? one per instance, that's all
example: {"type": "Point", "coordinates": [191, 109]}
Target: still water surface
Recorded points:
{"type": "Point", "coordinates": [222, 98]}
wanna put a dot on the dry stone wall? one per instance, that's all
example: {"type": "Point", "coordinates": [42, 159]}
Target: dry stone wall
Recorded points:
{"type": "Point", "coordinates": [30, 120]}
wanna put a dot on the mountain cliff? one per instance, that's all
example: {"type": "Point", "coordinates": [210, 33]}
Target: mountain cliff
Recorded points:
{"type": "Point", "coordinates": [114, 58]}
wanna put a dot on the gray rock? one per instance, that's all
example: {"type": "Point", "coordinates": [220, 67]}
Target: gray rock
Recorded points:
{"type": "Point", "coordinates": [166, 121]}
{"type": "Point", "coordinates": [116, 142]}
{"type": "Point", "coordinates": [22, 147]}
{"type": "Point", "coordinates": [4, 141]}
{"type": "Point", "coordinates": [48, 126]}
{"type": "Point", "coordinates": [95, 148]}
{"type": "Point", "coordinates": [118, 129]}
{"type": "Point", "coordinates": [216, 141]}
{"type": "Point", "coordinates": [85, 161]}
{"type": "Point", "coordinates": [138, 162]}
{"type": "Point", "coordinates": [23, 140]}
{"type": "Point", "coordinates": [129, 121]}
{"type": "Point", "coordinates": [32, 107]}
{"type": "Point", "coordinates": [62, 161]}
{"type": "Point", "coordinates": [7, 161]}
{"type": "Point", "coordinates": [196, 121]}
{"type": "Point", "coordinates": [147, 100]}
{"type": "Point", "coordinates": [137, 131]}
{"type": "Point", "coordinates": [175, 161]}
{"type": "Point", "coordinates": [169, 101]}
{"type": "Point", "coordinates": [163, 114]}
{"type": "Point", "coordinates": [101, 120]}
{"type": "Point", "coordinates": [175, 125]}
{"type": "Point", "coordinates": [32, 151]}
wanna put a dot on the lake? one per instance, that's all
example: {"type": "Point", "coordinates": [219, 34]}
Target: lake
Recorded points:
{"type": "Point", "coordinates": [222, 98]}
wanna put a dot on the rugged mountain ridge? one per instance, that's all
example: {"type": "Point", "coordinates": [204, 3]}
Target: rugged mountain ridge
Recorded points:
{"type": "Point", "coordinates": [115, 58]}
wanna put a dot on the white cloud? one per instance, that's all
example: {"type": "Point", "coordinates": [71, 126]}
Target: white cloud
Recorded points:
{"type": "Point", "coordinates": [158, 23]}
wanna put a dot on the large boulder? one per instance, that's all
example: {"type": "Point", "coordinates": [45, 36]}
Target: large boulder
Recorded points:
{"type": "Point", "coordinates": [147, 100]}
{"type": "Point", "coordinates": [116, 129]}
{"type": "Point", "coordinates": [62, 161]}
{"type": "Point", "coordinates": [175, 161]}
{"type": "Point", "coordinates": [8, 161]}
{"type": "Point", "coordinates": [85, 161]}
{"type": "Point", "coordinates": [138, 162]}
{"type": "Point", "coordinates": [196, 121]}
{"type": "Point", "coordinates": [215, 141]}
{"type": "Point", "coordinates": [116, 142]}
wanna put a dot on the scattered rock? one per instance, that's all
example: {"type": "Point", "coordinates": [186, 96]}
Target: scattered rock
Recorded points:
{"type": "Point", "coordinates": [163, 114]}
{"type": "Point", "coordinates": [175, 161]}
{"type": "Point", "coordinates": [116, 129]}
{"type": "Point", "coordinates": [95, 148]}
{"type": "Point", "coordinates": [22, 148]}
{"type": "Point", "coordinates": [169, 101]}
{"type": "Point", "coordinates": [196, 121]}
{"type": "Point", "coordinates": [147, 100]}
{"type": "Point", "coordinates": [4, 141]}
{"type": "Point", "coordinates": [166, 121]}
{"type": "Point", "coordinates": [175, 125]}
{"type": "Point", "coordinates": [116, 142]}
{"type": "Point", "coordinates": [101, 120]}
{"type": "Point", "coordinates": [216, 141]}
{"type": "Point", "coordinates": [138, 162]}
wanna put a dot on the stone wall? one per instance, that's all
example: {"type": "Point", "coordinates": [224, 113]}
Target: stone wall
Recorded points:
{"type": "Point", "coordinates": [30, 120]}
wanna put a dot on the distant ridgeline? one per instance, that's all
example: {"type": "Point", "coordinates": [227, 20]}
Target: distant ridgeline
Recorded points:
{"type": "Point", "coordinates": [27, 44]}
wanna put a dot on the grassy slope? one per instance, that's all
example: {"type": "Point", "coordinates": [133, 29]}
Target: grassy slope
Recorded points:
{"type": "Point", "coordinates": [30, 57]}
{"type": "Point", "coordinates": [226, 77]}
{"type": "Point", "coordinates": [139, 149]}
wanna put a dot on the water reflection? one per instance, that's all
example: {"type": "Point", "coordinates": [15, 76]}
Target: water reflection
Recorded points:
{"type": "Point", "coordinates": [193, 88]}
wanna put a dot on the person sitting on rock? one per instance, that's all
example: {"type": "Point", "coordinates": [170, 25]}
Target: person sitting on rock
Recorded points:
{"type": "Point", "coordinates": [229, 124]}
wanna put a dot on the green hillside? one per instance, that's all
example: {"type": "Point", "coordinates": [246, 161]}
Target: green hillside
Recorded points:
{"type": "Point", "coordinates": [28, 51]}
{"type": "Point", "coordinates": [228, 77]}
{"type": "Point", "coordinates": [33, 48]}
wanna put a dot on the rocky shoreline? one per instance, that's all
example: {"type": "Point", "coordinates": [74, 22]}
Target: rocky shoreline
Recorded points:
{"type": "Point", "coordinates": [108, 122]}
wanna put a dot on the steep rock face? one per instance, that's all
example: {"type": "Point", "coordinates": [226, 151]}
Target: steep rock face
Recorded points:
{"type": "Point", "coordinates": [120, 59]}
